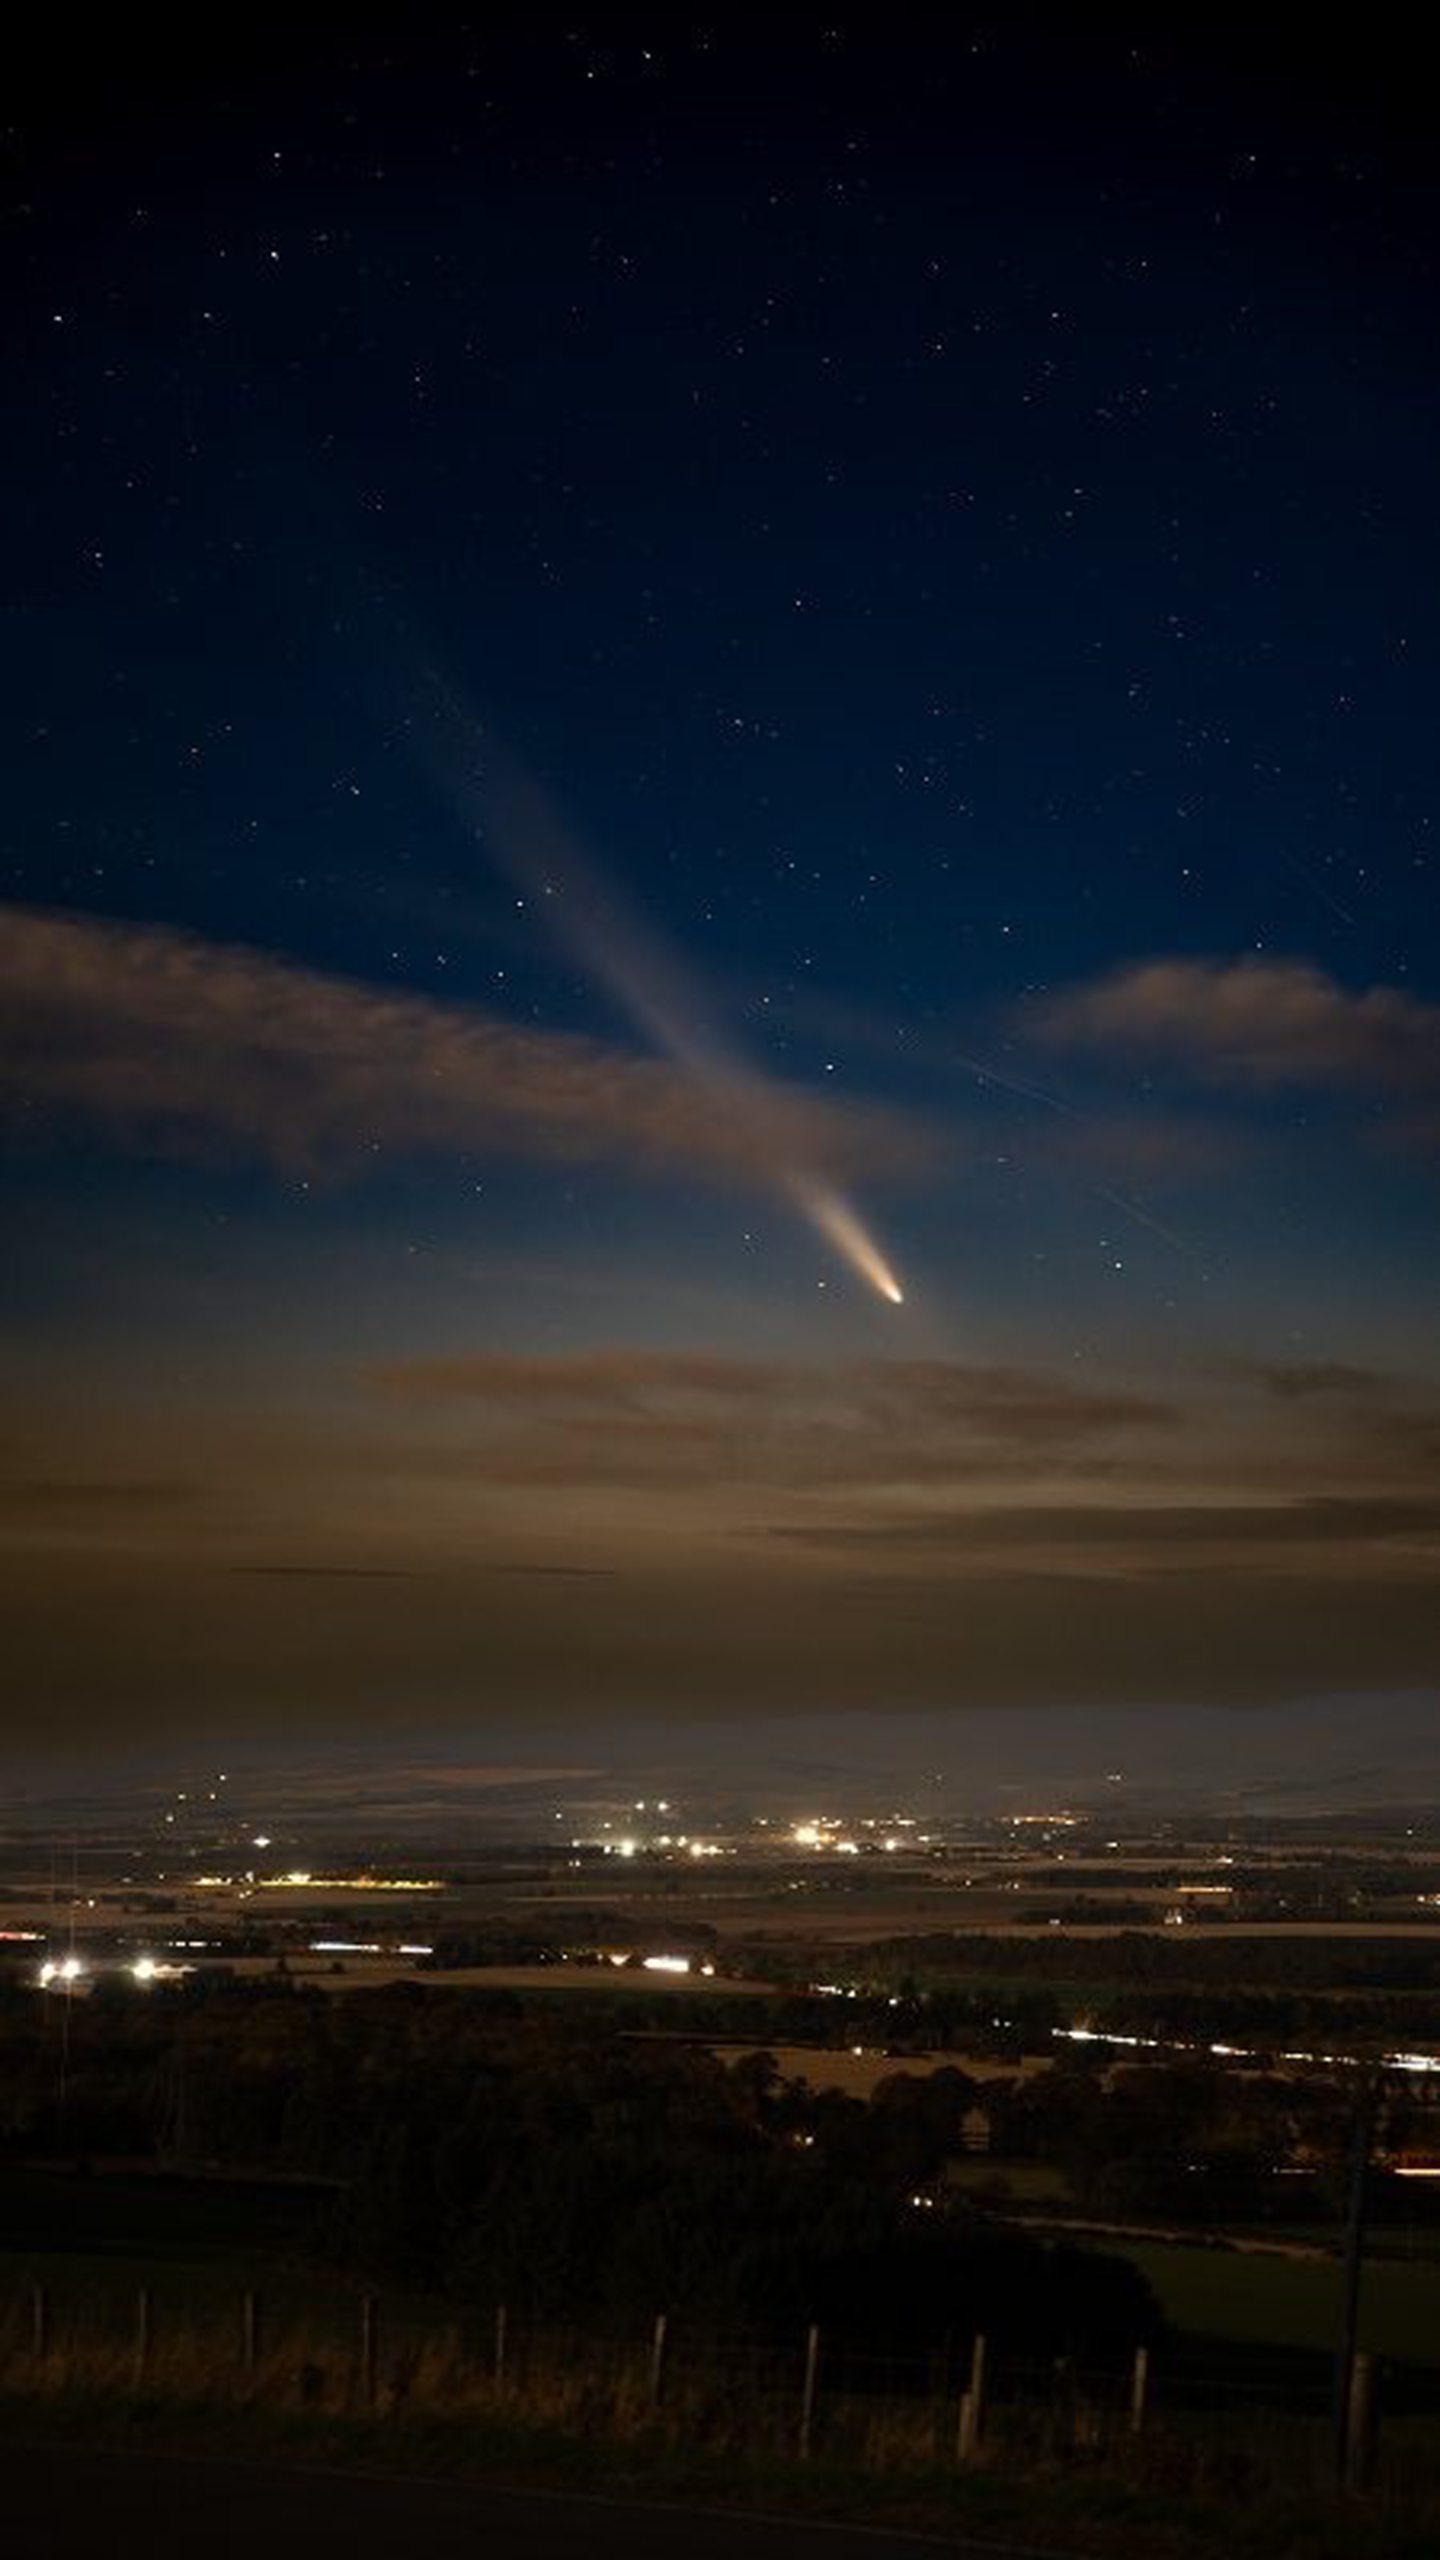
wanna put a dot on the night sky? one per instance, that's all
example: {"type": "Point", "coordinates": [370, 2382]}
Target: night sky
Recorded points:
{"type": "Point", "coordinates": [661, 684]}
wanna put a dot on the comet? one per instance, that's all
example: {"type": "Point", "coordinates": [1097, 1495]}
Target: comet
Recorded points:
{"type": "Point", "coordinates": [585, 912]}
{"type": "Point", "coordinates": [833, 1217]}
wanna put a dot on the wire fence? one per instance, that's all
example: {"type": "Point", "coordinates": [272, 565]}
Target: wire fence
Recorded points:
{"type": "Point", "coordinates": [808, 2396]}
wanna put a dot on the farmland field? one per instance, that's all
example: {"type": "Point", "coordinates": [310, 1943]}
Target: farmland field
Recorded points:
{"type": "Point", "coordinates": [1287, 2302]}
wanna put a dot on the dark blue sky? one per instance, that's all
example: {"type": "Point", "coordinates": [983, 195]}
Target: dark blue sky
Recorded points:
{"type": "Point", "coordinates": [632, 653]}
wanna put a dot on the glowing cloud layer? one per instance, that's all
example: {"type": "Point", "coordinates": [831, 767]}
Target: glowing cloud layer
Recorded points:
{"type": "Point", "coordinates": [200, 1050]}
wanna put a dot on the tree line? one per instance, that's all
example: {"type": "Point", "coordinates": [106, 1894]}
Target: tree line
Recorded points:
{"type": "Point", "coordinates": [492, 2151]}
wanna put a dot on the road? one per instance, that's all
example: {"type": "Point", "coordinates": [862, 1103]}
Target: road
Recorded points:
{"type": "Point", "coordinates": [62, 2504]}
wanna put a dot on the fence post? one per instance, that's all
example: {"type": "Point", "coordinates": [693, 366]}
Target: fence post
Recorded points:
{"type": "Point", "coordinates": [972, 2405]}
{"type": "Point", "coordinates": [142, 2332]}
{"type": "Point", "coordinates": [369, 2346]}
{"type": "Point", "coordinates": [657, 2361]}
{"type": "Point", "coordinates": [250, 2331]}
{"type": "Point", "coordinates": [1353, 2269]}
{"type": "Point", "coordinates": [39, 2320]}
{"type": "Point", "coordinates": [1139, 2389]}
{"type": "Point", "coordinates": [501, 2324]}
{"type": "Point", "coordinates": [807, 2396]}
{"type": "Point", "coordinates": [1360, 2423]}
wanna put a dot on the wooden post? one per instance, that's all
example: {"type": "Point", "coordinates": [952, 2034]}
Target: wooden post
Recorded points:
{"type": "Point", "coordinates": [1360, 2423]}
{"type": "Point", "coordinates": [369, 2346]}
{"type": "Point", "coordinates": [657, 2362]}
{"type": "Point", "coordinates": [250, 2331]}
{"type": "Point", "coordinates": [39, 2320]}
{"type": "Point", "coordinates": [142, 2332]}
{"type": "Point", "coordinates": [1139, 2388]}
{"type": "Point", "coordinates": [807, 2395]}
{"type": "Point", "coordinates": [972, 2405]}
{"type": "Point", "coordinates": [501, 2324]}
{"type": "Point", "coordinates": [977, 2385]}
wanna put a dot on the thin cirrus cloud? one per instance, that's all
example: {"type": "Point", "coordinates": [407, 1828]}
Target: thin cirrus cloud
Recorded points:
{"type": "Point", "coordinates": [184, 1047]}
{"type": "Point", "coordinates": [1267, 1024]}
{"type": "Point", "coordinates": [1244, 1531]}
{"type": "Point", "coordinates": [501, 1459]}
{"type": "Point", "coordinates": [730, 1535]}
{"type": "Point", "coordinates": [945, 1460]}
{"type": "Point", "coordinates": [685, 1420]}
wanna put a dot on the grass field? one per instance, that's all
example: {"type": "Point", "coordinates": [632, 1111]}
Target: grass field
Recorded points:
{"type": "Point", "coordinates": [1058, 2471]}
{"type": "Point", "coordinates": [195, 2245]}
{"type": "Point", "coordinates": [199, 2244]}
{"type": "Point", "coordinates": [1002, 2182]}
{"type": "Point", "coordinates": [113, 2211]}
{"type": "Point", "coordinates": [1288, 2302]}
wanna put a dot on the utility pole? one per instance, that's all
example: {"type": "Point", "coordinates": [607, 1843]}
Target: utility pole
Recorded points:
{"type": "Point", "coordinates": [1345, 2409]}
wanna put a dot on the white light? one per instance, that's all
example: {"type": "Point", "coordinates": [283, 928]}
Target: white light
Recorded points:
{"type": "Point", "coordinates": [666, 1964]}
{"type": "Point", "coordinates": [144, 1969]}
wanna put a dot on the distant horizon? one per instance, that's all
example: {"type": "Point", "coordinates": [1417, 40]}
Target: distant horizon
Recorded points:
{"type": "Point", "coordinates": [1231, 1762]}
